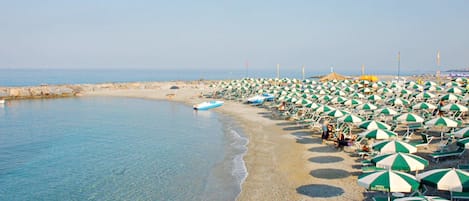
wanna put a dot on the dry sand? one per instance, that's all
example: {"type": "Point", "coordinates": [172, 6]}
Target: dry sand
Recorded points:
{"type": "Point", "coordinates": [284, 161]}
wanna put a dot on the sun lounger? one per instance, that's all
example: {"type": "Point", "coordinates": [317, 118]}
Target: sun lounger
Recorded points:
{"type": "Point", "coordinates": [460, 195]}
{"type": "Point", "coordinates": [426, 139]}
{"type": "Point", "coordinates": [445, 154]}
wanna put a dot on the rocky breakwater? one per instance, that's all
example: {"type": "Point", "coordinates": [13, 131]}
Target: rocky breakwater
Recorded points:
{"type": "Point", "coordinates": [44, 91]}
{"type": "Point", "coordinates": [56, 91]}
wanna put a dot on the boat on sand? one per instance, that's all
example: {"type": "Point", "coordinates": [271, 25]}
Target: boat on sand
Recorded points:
{"type": "Point", "coordinates": [208, 105]}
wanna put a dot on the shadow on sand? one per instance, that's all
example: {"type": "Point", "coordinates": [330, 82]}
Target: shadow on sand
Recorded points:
{"type": "Point", "coordinates": [320, 190]}
{"type": "Point", "coordinates": [329, 173]}
{"type": "Point", "coordinates": [326, 159]}
{"type": "Point", "coordinates": [323, 149]}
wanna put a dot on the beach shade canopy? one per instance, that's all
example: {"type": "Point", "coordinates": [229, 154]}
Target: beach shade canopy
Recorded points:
{"type": "Point", "coordinates": [388, 181]}
{"type": "Point", "coordinates": [387, 111]}
{"type": "Point", "coordinates": [352, 102]}
{"type": "Point", "coordinates": [409, 118]}
{"type": "Point", "coordinates": [351, 118]}
{"type": "Point", "coordinates": [397, 101]}
{"type": "Point", "coordinates": [338, 99]}
{"type": "Point", "coordinates": [424, 106]}
{"type": "Point", "coordinates": [303, 102]}
{"type": "Point", "coordinates": [366, 106]}
{"type": "Point", "coordinates": [425, 95]}
{"type": "Point", "coordinates": [443, 122]}
{"type": "Point", "coordinates": [463, 142]}
{"type": "Point", "coordinates": [421, 198]}
{"type": "Point", "coordinates": [456, 90]}
{"type": "Point", "coordinates": [336, 113]}
{"type": "Point", "coordinates": [332, 76]}
{"type": "Point", "coordinates": [400, 161]}
{"type": "Point", "coordinates": [385, 91]}
{"type": "Point", "coordinates": [450, 97]}
{"type": "Point", "coordinates": [373, 124]}
{"type": "Point", "coordinates": [357, 95]}
{"type": "Point", "coordinates": [324, 108]}
{"type": "Point", "coordinates": [379, 134]}
{"type": "Point", "coordinates": [374, 97]}
{"type": "Point", "coordinates": [312, 105]}
{"type": "Point", "coordinates": [394, 146]}
{"type": "Point", "coordinates": [454, 107]}
{"type": "Point", "coordinates": [447, 179]}
{"type": "Point", "coordinates": [405, 91]}
{"type": "Point", "coordinates": [462, 133]}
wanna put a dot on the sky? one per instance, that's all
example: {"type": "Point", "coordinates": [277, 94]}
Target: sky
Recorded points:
{"type": "Point", "coordinates": [204, 34]}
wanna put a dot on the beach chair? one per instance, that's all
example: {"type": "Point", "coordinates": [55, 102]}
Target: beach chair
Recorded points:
{"type": "Point", "coordinates": [447, 154]}
{"type": "Point", "coordinates": [426, 139]}
{"type": "Point", "coordinates": [459, 195]}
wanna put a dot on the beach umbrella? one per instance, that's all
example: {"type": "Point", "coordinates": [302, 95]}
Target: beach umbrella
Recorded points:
{"type": "Point", "coordinates": [450, 97]}
{"type": "Point", "coordinates": [425, 95]}
{"type": "Point", "coordinates": [303, 102]}
{"type": "Point", "coordinates": [352, 102]}
{"type": "Point", "coordinates": [374, 97]}
{"type": "Point", "coordinates": [454, 107]}
{"type": "Point", "coordinates": [357, 95]}
{"type": "Point", "coordinates": [366, 90]}
{"type": "Point", "coordinates": [349, 89]}
{"type": "Point", "coordinates": [462, 133]}
{"type": "Point", "coordinates": [400, 161]}
{"type": "Point", "coordinates": [447, 179]}
{"type": "Point", "coordinates": [351, 118]}
{"type": "Point", "coordinates": [397, 101]}
{"type": "Point", "coordinates": [456, 90]}
{"type": "Point", "coordinates": [366, 106]}
{"type": "Point", "coordinates": [443, 122]}
{"type": "Point", "coordinates": [388, 181]}
{"type": "Point", "coordinates": [424, 106]}
{"type": "Point", "coordinates": [325, 98]}
{"type": "Point", "coordinates": [379, 134]}
{"type": "Point", "coordinates": [338, 99]}
{"type": "Point", "coordinates": [463, 142]}
{"type": "Point", "coordinates": [387, 111]}
{"type": "Point", "coordinates": [336, 113]}
{"type": "Point", "coordinates": [434, 88]}
{"type": "Point", "coordinates": [312, 105]}
{"type": "Point", "coordinates": [394, 146]}
{"type": "Point", "coordinates": [324, 108]}
{"type": "Point", "coordinates": [408, 118]}
{"type": "Point", "coordinates": [373, 124]}
{"type": "Point", "coordinates": [421, 198]}
{"type": "Point", "coordinates": [339, 93]}
{"type": "Point", "coordinates": [386, 91]}
{"type": "Point", "coordinates": [405, 91]}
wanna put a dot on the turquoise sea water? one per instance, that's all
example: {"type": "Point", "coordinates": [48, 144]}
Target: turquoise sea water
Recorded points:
{"type": "Point", "coordinates": [103, 148]}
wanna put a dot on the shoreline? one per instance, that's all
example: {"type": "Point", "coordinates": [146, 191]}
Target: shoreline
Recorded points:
{"type": "Point", "coordinates": [283, 162]}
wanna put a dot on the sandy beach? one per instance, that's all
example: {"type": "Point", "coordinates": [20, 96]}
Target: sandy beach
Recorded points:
{"type": "Point", "coordinates": [284, 161]}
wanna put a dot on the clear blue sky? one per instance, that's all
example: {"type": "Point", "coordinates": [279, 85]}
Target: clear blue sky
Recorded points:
{"type": "Point", "coordinates": [224, 34]}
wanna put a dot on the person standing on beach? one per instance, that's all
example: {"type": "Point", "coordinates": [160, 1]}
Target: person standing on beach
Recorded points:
{"type": "Point", "coordinates": [325, 133]}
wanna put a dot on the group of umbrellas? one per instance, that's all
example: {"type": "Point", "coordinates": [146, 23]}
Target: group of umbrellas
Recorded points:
{"type": "Point", "coordinates": [352, 103]}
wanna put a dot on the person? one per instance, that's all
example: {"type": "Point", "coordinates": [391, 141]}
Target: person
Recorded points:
{"type": "Point", "coordinates": [282, 106]}
{"type": "Point", "coordinates": [438, 109]}
{"type": "Point", "coordinates": [341, 141]}
{"type": "Point", "coordinates": [326, 132]}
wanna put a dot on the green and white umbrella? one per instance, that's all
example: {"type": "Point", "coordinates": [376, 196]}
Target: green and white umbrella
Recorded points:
{"type": "Point", "coordinates": [387, 111]}
{"type": "Point", "coordinates": [379, 134]}
{"type": "Point", "coordinates": [338, 99]}
{"type": "Point", "coordinates": [366, 106]}
{"type": "Point", "coordinates": [324, 109]}
{"type": "Point", "coordinates": [462, 133]}
{"type": "Point", "coordinates": [388, 181]}
{"type": "Point", "coordinates": [450, 97]}
{"type": "Point", "coordinates": [312, 105]}
{"type": "Point", "coordinates": [357, 95]}
{"type": "Point", "coordinates": [373, 124]}
{"type": "Point", "coordinates": [408, 118]}
{"type": "Point", "coordinates": [352, 102]}
{"type": "Point", "coordinates": [351, 118]}
{"type": "Point", "coordinates": [405, 91]}
{"type": "Point", "coordinates": [456, 90]}
{"type": "Point", "coordinates": [397, 101]}
{"type": "Point", "coordinates": [443, 122]}
{"type": "Point", "coordinates": [400, 161]}
{"type": "Point", "coordinates": [421, 198]}
{"type": "Point", "coordinates": [303, 102]}
{"type": "Point", "coordinates": [336, 113]}
{"type": "Point", "coordinates": [447, 179]}
{"type": "Point", "coordinates": [394, 146]}
{"type": "Point", "coordinates": [454, 107]}
{"type": "Point", "coordinates": [385, 91]}
{"type": "Point", "coordinates": [424, 106]}
{"type": "Point", "coordinates": [463, 142]}
{"type": "Point", "coordinates": [374, 97]}
{"type": "Point", "coordinates": [425, 95]}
